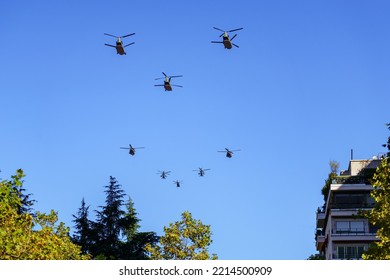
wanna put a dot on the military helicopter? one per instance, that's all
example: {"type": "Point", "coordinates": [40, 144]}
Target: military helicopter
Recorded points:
{"type": "Point", "coordinates": [120, 49]}
{"type": "Point", "coordinates": [163, 174]}
{"type": "Point", "coordinates": [201, 171]}
{"type": "Point", "coordinates": [226, 40]}
{"type": "Point", "coordinates": [167, 83]}
{"type": "Point", "coordinates": [229, 153]}
{"type": "Point", "coordinates": [177, 183]}
{"type": "Point", "coordinates": [132, 149]}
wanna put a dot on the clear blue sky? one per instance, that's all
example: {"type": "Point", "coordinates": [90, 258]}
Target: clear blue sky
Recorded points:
{"type": "Point", "coordinates": [309, 83]}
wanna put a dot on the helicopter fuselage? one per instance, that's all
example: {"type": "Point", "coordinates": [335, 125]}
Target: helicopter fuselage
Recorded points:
{"type": "Point", "coordinates": [167, 86]}
{"type": "Point", "coordinates": [119, 48]}
{"type": "Point", "coordinates": [226, 42]}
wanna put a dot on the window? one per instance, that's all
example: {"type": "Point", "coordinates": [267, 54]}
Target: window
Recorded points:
{"type": "Point", "coordinates": [349, 227]}
{"type": "Point", "coordinates": [344, 200]}
{"type": "Point", "coordinates": [350, 251]}
{"type": "Point", "coordinates": [357, 226]}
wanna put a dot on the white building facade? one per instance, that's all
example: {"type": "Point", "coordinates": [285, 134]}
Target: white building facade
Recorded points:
{"type": "Point", "coordinates": [341, 232]}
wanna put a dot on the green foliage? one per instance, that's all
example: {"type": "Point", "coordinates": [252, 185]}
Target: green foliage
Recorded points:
{"type": "Point", "coordinates": [114, 235]}
{"type": "Point", "coordinates": [316, 257]}
{"type": "Point", "coordinates": [187, 239]}
{"type": "Point", "coordinates": [82, 236]}
{"type": "Point", "coordinates": [334, 166]}
{"type": "Point", "coordinates": [379, 216]}
{"type": "Point", "coordinates": [24, 236]}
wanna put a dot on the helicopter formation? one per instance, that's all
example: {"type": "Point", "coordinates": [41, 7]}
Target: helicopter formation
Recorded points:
{"type": "Point", "coordinates": [120, 49]}
{"type": "Point", "coordinates": [164, 174]}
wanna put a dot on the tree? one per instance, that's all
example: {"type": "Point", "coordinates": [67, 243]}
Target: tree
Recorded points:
{"type": "Point", "coordinates": [83, 234]}
{"type": "Point", "coordinates": [115, 234]}
{"type": "Point", "coordinates": [379, 216]}
{"type": "Point", "coordinates": [187, 239]}
{"type": "Point", "coordinates": [25, 236]}
{"type": "Point", "coordinates": [316, 257]}
{"type": "Point", "coordinates": [109, 225]}
{"type": "Point", "coordinates": [334, 166]}
{"type": "Point", "coordinates": [134, 247]}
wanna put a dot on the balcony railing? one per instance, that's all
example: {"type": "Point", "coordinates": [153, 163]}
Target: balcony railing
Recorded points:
{"type": "Point", "coordinates": [354, 231]}
{"type": "Point", "coordinates": [351, 180]}
{"type": "Point", "coordinates": [351, 205]}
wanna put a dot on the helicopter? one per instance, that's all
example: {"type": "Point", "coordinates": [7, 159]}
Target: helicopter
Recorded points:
{"type": "Point", "coordinates": [132, 149]}
{"type": "Point", "coordinates": [164, 174]}
{"type": "Point", "coordinates": [177, 183]}
{"type": "Point", "coordinates": [226, 40]}
{"type": "Point", "coordinates": [167, 82]}
{"type": "Point", "coordinates": [120, 49]}
{"type": "Point", "coordinates": [229, 153]}
{"type": "Point", "coordinates": [201, 171]}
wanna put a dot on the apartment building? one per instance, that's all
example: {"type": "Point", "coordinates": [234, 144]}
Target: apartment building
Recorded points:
{"type": "Point", "coordinates": [341, 233]}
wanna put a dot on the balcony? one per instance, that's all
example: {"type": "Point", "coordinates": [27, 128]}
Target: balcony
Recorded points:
{"type": "Point", "coordinates": [320, 219]}
{"type": "Point", "coordinates": [351, 180]}
{"type": "Point", "coordinates": [320, 239]}
{"type": "Point", "coordinates": [352, 206]}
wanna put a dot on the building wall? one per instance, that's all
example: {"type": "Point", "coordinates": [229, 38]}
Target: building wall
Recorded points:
{"type": "Point", "coordinates": [346, 234]}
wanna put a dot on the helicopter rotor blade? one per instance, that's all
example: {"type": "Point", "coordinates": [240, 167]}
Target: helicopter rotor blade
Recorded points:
{"type": "Point", "coordinates": [216, 42]}
{"type": "Point", "coordinates": [235, 29]}
{"type": "Point", "coordinates": [129, 44]}
{"type": "Point", "coordinates": [218, 29]}
{"type": "Point", "coordinates": [139, 148]}
{"type": "Point", "coordinates": [124, 148]}
{"type": "Point", "coordinates": [165, 75]}
{"type": "Point", "coordinates": [176, 85]}
{"type": "Point", "coordinates": [233, 37]}
{"type": "Point", "coordinates": [111, 35]}
{"type": "Point", "coordinates": [158, 85]}
{"type": "Point", "coordinates": [127, 35]}
{"type": "Point", "coordinates": [175, 76]}
{"type": "Point", "coordinates": [235, 45]}
{"type": "Point", "coordinates": [110, 45]}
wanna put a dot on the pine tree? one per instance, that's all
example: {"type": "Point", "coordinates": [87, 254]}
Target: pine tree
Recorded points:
{"type": "Point", "coordinates": [83, 233]}
{"type": "Point", "coordinates": [26, 201]}
{"type": "Point", "coordinates": [109, 225]}
{"type": "Point", "coordinates": [134, 247]}
{"type": "Point", "coordinates": [114, 234]}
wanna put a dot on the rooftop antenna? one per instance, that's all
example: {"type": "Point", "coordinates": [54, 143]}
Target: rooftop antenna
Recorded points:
{"type": "Point", "coordinates": [351, 154]}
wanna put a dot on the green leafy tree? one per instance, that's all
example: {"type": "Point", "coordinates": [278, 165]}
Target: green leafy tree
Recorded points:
{"type": "Point", "coordinates": [187, 239]}
{"type": "Point", "coordinates": [379, 216]}
{"type": "Point", "coordinates": [24, 236]}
